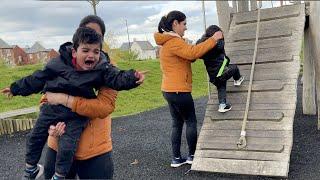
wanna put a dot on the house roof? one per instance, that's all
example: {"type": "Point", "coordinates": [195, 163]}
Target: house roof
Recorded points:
{"type": "Point", "coordinates": [145, 45]}
{"type": "Point", "coordinates": [3, 44]}
{"type": "Point", "coordinates": [125, 46]}
{"type": "Point", "coordinates": [37, 47]}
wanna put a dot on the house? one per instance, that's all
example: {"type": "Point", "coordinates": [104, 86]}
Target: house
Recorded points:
{"type": "Point", "coordinates": [38, 54]}
{"type": "Point", "coordinates": [144, 49]}
{"type": "Point", "coordinates": [13, 55]}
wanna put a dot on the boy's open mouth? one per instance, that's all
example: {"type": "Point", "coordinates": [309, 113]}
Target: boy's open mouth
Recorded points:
{"type": "Point", "coordinates": [89, 62]}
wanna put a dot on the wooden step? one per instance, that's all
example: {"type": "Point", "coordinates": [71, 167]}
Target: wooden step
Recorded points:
{"type": "Point", "coordinates": [268, 14]}
{"type": "Point", "coordinates": [252, 115]}
{"type": "Point", "coordinates": [250, 147]}
{"type": "Point", "coordinates": [246, 167]}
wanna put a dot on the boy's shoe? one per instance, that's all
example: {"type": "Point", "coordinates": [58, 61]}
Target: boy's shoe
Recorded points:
{"type": "Point", "coordinates": [177, 162]}
{"type": "Point", "coordinates": [55, 177]}
{"type": "Point", "coordinates": [34, 173]}
{"type": "Point", "coordinates": [239, 81]}
{"type": "Point", "coordinates": [190, 159]}
{"type": "Point", "coordinates": [224, 107]}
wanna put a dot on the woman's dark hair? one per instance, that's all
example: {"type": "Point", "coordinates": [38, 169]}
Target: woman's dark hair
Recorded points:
{"type": "Point", "coordinates": [166, 22]}
{"type": "Point", "coordinates": [93, 19]}
{"type": "Point", "coordinates": [85, 35]}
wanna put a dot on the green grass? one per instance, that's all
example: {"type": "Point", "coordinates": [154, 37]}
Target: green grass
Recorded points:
{"type": "Point", "coordinates": [147, 96]}
{"type": "Point", "coordinates": [9, 75]}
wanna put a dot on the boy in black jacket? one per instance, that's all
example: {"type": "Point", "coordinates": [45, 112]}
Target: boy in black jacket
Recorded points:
{"type": "Point", "coordinates": [77, 71]}
{"type": "Point", "coordinates": [219, 69]}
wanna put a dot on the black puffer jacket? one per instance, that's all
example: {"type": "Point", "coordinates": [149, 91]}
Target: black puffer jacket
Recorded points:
{"type": "Point", "coordinates": [214, 58]}
{"type": "Point", "coordinates": [59, 75]}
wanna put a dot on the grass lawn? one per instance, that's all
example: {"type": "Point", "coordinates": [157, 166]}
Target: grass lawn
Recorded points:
{"type": "Point", "coordinates": [147, 96]}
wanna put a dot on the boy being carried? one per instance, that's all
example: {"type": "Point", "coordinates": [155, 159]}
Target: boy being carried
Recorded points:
{"type": "Point", "coordinates": [219, 69]}
{"type": "Point", "coordinates": [77, 71]}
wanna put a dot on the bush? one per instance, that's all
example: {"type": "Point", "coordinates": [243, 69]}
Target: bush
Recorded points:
{"type": "Point", "coordinates": [128, 55]}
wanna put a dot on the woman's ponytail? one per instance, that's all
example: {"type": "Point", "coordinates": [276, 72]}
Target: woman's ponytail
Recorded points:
{"type": "Point", "coordinates": [163, 25]}
{"type": "Point", "coordinates": [166, 22]}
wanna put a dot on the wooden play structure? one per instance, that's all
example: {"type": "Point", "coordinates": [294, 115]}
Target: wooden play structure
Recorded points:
{"type": "Point", "coordinates": [256, 136]}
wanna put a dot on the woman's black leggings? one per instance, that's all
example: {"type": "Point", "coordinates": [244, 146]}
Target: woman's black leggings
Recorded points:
{"type": "Point", "coordinates": [98, 167]}
{"type": "Point", "coordinates": [182, 110]}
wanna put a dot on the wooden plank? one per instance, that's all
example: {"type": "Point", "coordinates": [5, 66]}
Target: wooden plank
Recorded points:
{"type": "Point", "coordinates": [1, 127]}
{"type": "Point", "coordinates": [249, 133]}
{"type": "Point", "coordinates": [246, 167]}
{"type": "Point", "coordinates": [252, 115]}
{"type": "Point", "coordinates": [266, 51]}
{"type": "Point", "coordinates": [263, 43]}
{"type": "Point", "coordinates": [250, 140]}
{"type": "Point", "coordinates": [244, 155]}
{"type": "Point", "coordinates": [237, 36]}
{"type": "Point", "coordinates": [285, 124]}
{"type": "Point", "coordinates": [250, 147]}
{"type": "Point", "coordinates": [256, 115]}
{"type": "Point", "coordinates": [268, 14]}
{"type": "Point", "coordinates": [285, 66]}
{"type": "Point", "coordinates": [19, 112]}
{"type": "Point", "coordinates": [258, 88]}
{"type": "Point", "coordinates": [241, 107]}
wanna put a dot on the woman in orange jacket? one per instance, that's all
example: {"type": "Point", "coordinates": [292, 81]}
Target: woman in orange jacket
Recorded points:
{"type": "Point", "coordinates": [176, 57]}
{"type": "Point", "coordinates": [93, 157]}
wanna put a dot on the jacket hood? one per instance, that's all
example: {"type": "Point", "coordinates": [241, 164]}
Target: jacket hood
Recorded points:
{"type": "Point", "coordinates": [65, 51]}
{"type": "Point", "coordinates": [162, 38]}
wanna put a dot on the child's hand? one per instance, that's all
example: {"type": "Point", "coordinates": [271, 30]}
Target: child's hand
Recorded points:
{"type": "Point", "coordinates": [7, 92]}
{"type": "Point", "coordinates": [57, 130]}
{"type": "Point", "coordinates": [140, 75]}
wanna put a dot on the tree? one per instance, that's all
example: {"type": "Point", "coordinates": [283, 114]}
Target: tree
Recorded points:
{"type": "Point", "coordinates": [94, 4]}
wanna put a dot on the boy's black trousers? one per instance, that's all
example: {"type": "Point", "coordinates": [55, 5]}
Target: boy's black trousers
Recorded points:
{"type": "Point", "coordinates": [221, 82]}
{"type": "Point", "coordinates": [67, 143]}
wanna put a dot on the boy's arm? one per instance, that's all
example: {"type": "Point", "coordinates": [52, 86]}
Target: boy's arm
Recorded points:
{"type": "Point", "coordinates": [117, 79]}
{"type": "Point", "coordinates": [31, 84]}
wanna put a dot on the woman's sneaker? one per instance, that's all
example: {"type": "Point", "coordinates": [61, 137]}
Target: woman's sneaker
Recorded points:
{"type": "Point", "coordinates": [224, 107]}
{"type": "Point", "coordinates": [239, 81]}
{"type": "Point", "coordinates": [177, 162]}
{"type": "Point", "coordinates": [190, 159]}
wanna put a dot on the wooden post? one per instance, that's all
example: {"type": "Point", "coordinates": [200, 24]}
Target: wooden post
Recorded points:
{"type": "Point", "coordinates": [223, 12]}
{"type": "Point", "coordinates": [234, 6]}
{"type": "Point", "coordinates": [253, 5]}
{"type": "Point", "coordinates": [314, 26]}
{"type": "Point", "coordinates": [243, 6]}
{"type": "Point", "coordinates": [309, 96]}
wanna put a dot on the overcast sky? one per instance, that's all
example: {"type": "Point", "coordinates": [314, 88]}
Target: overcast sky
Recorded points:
{"type": "Point", "coordinates": [53, 22]}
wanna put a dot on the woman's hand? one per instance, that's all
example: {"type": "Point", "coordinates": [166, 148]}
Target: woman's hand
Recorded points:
{"type": "Point", "coordinates": [57, 130]}
{"type": "Point", "coordinates": [59, 98]}
{"type": "Point", "coordinates": [7, 92]}
{"type": "Point", "coordinates": [217, 35]}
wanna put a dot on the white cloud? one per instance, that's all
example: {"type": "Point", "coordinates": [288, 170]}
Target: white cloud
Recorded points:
{"type": "Point", "coordinates": [54, 22]}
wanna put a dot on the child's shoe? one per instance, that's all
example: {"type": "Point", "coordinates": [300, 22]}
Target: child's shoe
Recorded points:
{"type": "Point", "coordinates": [239, 81]}
{"type": "Point", "coordinates": [33, 172]}
{"type": "Point", "coordinates": [177, 162]}
{"type": "Point", "coordinates": [224, 107]}
{"type": "Point", "coordinates": [190, 159]}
